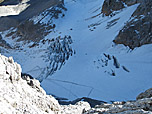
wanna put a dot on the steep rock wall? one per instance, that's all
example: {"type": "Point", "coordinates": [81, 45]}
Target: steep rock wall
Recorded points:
{"type": "Point", "coordinates": [23, 95]}
{"type": "Point", "coordinates": [138, 30]}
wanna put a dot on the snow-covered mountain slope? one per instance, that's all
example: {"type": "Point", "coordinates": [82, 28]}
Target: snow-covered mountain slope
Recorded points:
{"type": "Point", "coordinates": [97, 67]}
{"type": "Point", "coordinates": [88, 73]}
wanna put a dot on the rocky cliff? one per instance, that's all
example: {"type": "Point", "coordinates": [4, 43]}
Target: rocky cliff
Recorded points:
{"type": "Point", "coordinates": [111, 6]}
{"type": "Point", "coordinates": [22, 95]}
{"type": "Point", "coordinates": [140, 106]}
{"type": "Point", "coordinates": [138, 30]}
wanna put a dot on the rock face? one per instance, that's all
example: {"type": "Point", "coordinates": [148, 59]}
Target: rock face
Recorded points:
{"type": "Point", "coordinates": [16, 96]}
{"type": "Point", "coordinates": [141, 106]}
{"type": "Point", "coordinates": [146, 94]}
{"type": "Point", "coordinates": [78, 108]}
{"type": "Point", "coordinates": [29, 30]}
{"type": "Point", "coordinates": [23, 95]}
{"type": "Point", "coordinates": [110, 6]}
{"type": "Point", "coordinates": [138, 30]}
{"type": "Point", "coordinates": [9, 6]}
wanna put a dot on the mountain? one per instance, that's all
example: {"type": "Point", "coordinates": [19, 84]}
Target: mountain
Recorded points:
{"type": "Point", "coordinates": [20, 93]}
{"type": "Point", "coordinates": [83, 48]}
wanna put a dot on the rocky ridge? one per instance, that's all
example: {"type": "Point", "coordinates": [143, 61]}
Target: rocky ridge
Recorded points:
{"type": "Point", "coordinates": [143, 105]}
{"type": "Point", "coordinates": [137, 31]}
{"type": "Point", "coordinates": [111, 6]}
{"type": "Point", "coordinates": [24, 95]}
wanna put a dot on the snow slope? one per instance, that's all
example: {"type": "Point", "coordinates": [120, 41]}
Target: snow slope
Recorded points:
{"type": "Point", "coordinates": [91, 71]}
{"type": "Point", "coordinates": [84, 74]}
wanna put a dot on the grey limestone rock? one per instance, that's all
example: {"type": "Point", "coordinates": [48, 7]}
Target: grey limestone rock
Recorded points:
{"type": "Point", "coordinates": [16, 96]}
{"type": "Point", "coordinates": [141, 106]}
{"type": "Point", "coordinates": [24, 95]}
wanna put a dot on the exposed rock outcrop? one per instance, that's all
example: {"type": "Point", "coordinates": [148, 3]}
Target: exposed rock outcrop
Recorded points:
{"type": "Point", "coordinates": [16, 96]}
{"type": "Point", "coordinates": [138, 30]}
{"type": "Point", "coordinates": [146, 94]}
{"type": "Point", "coordinates": [23, 94]}
{"type": "Point", "coordinates": [141, 106]}
{"type": "Point", "coordinates": [30, 30]}
{"type": "Point", "coordinates": [110, 6]}
{"type": "Point", "coordinates": [78, 108]}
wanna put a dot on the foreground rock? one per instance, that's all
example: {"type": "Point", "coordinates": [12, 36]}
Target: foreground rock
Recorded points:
{"type": "Point", "coordinates": [18, 96]}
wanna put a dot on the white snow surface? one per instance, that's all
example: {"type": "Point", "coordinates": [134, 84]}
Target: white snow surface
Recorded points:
{"type": "Point", "coordinates": [84, 74]}
{"type": "Point", "coordinates": [13, 9]}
